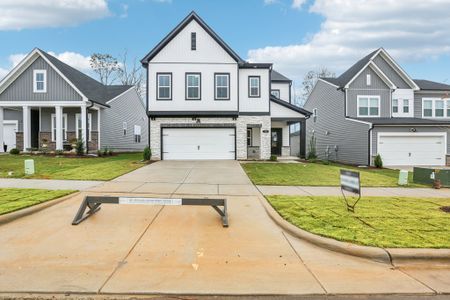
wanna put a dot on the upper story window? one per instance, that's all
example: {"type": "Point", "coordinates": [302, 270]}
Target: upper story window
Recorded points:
{"type": "Point", "coordinates": [436, 108]}
{"type": "Point", "coordinates": [193, 86]}
{"type": "Point", "coordinates": [395, 106]}
{"type": "Point", "coordinates": [222, 86]}
{"type": "Point", "coordinates": [254, 86]}
{"type": "Point", "coordinates": [275, 93]}
{"type": "Point", "coordinates": [164, 86]}
{"type": "Point", "coordinates": [40, 81]}
{"type": "Point", "coordinates": [193, 41]}
{"type": "Point", "coordinates": [405, 106]}
{"type": "Point", "coordinates": [368, 79]}
{"type": "Point", "coordinates": [368, 106]}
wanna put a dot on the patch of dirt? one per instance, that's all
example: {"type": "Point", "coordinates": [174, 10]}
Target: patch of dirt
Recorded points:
{"type": "Point", "coordinates": [445, 209]}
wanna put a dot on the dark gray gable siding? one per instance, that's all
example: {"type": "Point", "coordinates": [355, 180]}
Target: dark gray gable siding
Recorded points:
{"type": "Point", "coordinates": [376, 81]}
{"type": "Point", "coordinates": [351, 138]}
{"type": "Point", "coordinates": [127, 108]}
{"type": "Point", "coordinates": [407, 129]}
{"type": "Point", "coordinates": [390, 72]}
{"type": "Point", "coordinates": [377, 88]}
{"type": "Point", "coordinates": [57, 88]}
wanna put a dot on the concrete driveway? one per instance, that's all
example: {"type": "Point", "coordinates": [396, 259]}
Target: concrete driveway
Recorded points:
{"type": "Point", "coordinates": [134, 249]}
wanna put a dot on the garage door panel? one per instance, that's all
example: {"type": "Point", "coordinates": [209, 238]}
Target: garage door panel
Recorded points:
{"type": "Point", "coordinates": [412, 149]}
{"type": "Point", "coordinates": [198, 143]}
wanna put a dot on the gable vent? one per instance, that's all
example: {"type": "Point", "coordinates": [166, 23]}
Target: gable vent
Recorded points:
{"type": "Point", "coordinates": [193, 41]}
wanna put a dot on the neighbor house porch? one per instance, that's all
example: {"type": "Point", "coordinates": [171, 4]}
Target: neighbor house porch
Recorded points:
{"type": "Point", "coordinates": [50, 126]}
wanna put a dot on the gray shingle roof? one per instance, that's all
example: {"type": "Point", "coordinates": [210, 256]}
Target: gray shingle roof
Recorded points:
{"type": "Point", "coordinates": [431, 85]}
{"type": "Point", "coordinates": [275, 76]}
{"type": "Point", "coordinates": [403, 121]}
{"type": "Point", "coordinates": [290, 106]}
{"type": "Point", "coordinates": [91, 88]}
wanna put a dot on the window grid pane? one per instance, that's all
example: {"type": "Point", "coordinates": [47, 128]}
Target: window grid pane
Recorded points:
{"type": "Point", "coordinates": [222, 86]}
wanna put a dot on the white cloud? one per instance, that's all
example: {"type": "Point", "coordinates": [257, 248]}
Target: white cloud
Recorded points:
{"type": "Point", "coordinates": [410, 30]}
{"type": "Point", "coordinates": [297, 4]}
{"type": "Point", "coordinates": [23, 14]}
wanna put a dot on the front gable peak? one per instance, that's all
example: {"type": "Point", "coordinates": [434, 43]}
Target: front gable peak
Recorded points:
{"type": "Point", "coordinates": [194, 21]}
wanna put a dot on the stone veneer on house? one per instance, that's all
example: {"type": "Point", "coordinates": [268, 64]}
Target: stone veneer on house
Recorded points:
{"type": "Point", "coordinates": [241, 124]}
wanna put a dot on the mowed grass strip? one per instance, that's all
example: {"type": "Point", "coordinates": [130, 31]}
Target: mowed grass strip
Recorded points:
{"type": "Point", "coordinates": [12, 199]}
{"type": "Point", "coordinates": [318, 174]}
{"type": "Point", "coordinates": [72, 168]}
{"type": "Point", "coordinates": [390, 222]}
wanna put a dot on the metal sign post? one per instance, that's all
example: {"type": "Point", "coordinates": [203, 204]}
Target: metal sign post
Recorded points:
{"type": "Point", "coordinates": [350, 182]}
{"type": "Point", "coordinates": [93, 204]}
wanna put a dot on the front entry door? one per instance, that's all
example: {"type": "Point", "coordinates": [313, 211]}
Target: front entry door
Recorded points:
{"type": "Point", "coordinates": [34, 128]}
{"type": "Point", "coordinates": [276, 141]}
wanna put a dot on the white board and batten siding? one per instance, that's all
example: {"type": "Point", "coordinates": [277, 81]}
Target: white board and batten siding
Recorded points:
{"type": "Point", "coordinates": [254, 104]}
{"type": "Point", "coordinates": [178, 58]}
{"type": "Point", "coordinates": [198, 143]}
{"type": "Point", "coordinates": [284, 89]}
{"type": "Point", "coordinates": [413, 149]}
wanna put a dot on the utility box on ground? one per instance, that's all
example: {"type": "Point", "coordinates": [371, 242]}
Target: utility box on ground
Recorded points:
{"type": "Point", "coordinates": [403, 177]}
{"type": "Point", "coordinates": [29, 167]}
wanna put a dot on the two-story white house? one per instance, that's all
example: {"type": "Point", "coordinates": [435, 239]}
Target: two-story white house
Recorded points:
{"type": "Point", "coordinates": [206, 102]}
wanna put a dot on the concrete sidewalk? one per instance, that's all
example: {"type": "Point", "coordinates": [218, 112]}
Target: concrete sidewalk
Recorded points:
{"type": "Point", "coordinates": [48, 184]}
{"type": "Point", "coordinates": [368, 191]}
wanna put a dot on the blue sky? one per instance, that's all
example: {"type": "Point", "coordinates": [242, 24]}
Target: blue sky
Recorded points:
{"type": "Point", "coordinates": [296, 35]}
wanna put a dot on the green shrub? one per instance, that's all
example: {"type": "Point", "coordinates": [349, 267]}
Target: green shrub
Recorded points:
{"type": "Point", "coordinates": [14, 151]}
{"type": "Point", "coordinates": [110, 152]}
{"type": "Point", "coordinates": [59, 152]}
{"type": "Point", "coordinates": [147, 153]}
{"type": "Point", "coordinates": [105, 151]}
{"type": "Point", "coordinates": [99, 153]}
{"type": "Point", "coordinates": [312, 153]}
{"type": "Point", "coordinates": [378, 162]}
{"type": "Point", "coordinates": [273, 158]}
{"type": "Point", "coordinates": [79, 147]}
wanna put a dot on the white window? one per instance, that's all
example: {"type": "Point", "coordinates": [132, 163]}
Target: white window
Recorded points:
{"type": "Point", "coordinates": [275, 93]}
{"type": "Point", "coordinates": [249, 137]}
{"type": "Point", "coordinates": [439, 108]}
{"type": "Point", "coordinates": [39, 81]}
{"type": "Point", "coordinates": [78, 126]}
{"type": "Point", "coordinates": [124, 127]}
{"type": "Point", "coordinates": [254, 86]}
{"type": "Point", "coordinates": [395, 106]}
{"type": "Point", "coordinates": [368, 79]}
{"type": "Point", "coordinates": [427, 108]}
{"type": "Point", "coordinates": [406, 106]}
{"type": "Point", "coordinates": [368, 106]}
{"type": "Point", "coordinates": [164, 86]}
{"type": "Point", "coordinates": [222, 86]}
{"type": "Point", "coordinates": [193, 86]}
{"type": "Point", "coordinates": [137, 133]}
{"type": "Point", "coordinates": [64, 127]}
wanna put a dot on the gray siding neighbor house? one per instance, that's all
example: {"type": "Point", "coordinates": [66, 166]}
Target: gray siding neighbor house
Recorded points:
{"type": "Point", "coordinates": [376, 108]}
{"type": "Point", "coordinates": [45, 103]}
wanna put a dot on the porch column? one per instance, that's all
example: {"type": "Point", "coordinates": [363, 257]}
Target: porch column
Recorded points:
{"type": "Point", "coordinates": [58, 127]}
{"type": "Point", "coordinates": [98, 129]}
{"type": "Point", "coordinates": [1, 130]}
{"type": "Point", "coordinates": [83, 125]}
{"type": "Point", "coordinates": [26, 128]}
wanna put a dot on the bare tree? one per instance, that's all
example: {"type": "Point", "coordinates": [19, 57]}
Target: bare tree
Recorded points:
{"type": "Point", "coordinates": [131, 75]}
{"type": "Point", "coordinates": [106, 66]}
{"type": "Point", "coordinates": [310, 80]}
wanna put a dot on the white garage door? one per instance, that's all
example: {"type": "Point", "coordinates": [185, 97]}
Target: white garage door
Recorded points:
{"type": "Point", "coordinates": [412, 150]}
{"type": "Point", "coordinates": [9, 135]}
{"type": "Point", "coordinates": [198, 143]}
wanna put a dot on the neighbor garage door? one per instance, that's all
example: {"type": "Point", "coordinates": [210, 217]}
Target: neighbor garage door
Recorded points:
{"type": "Point", "coordinates": [198, 143]}
{"type": "Point", "coordinates": [412, 150]}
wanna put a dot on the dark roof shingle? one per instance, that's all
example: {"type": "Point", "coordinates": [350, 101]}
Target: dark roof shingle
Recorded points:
{"type": "Point", "coordinates": [275, 76]}
{"type": "Point", "coordinates": [431, 85]}
{"type": "Point", "coordinates": [91, 88]}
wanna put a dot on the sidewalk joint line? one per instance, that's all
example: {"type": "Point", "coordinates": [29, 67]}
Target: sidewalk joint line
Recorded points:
{"type": "Point", "coordinates": [414, 278]}
{"type": "Point", "coordinates": [303, 262]}
{"type": "Point", "coordinates": [121, 262]}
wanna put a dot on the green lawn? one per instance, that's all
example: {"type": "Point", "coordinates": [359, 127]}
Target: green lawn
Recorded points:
{"type": "Point", "coordinates": [15, 199]}
{"type": "Point", "coordinates": [85, 168]}
{"type": "Point", "coordinates": [392, 222]}
{"type": "Point", "coordinates": [317, 174]}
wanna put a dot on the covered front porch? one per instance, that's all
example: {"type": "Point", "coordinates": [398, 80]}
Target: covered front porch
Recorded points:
{"type": "Point", "coordinates": [49, 126]}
